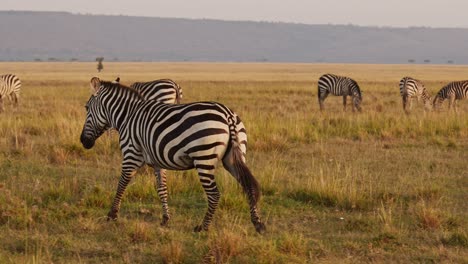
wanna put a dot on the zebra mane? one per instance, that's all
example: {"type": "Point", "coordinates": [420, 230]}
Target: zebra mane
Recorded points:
{"type": "Point", "coordinates": [117, 86]}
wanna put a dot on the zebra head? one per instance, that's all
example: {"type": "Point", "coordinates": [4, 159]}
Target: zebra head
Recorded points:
{"type": "Point", "coordinates": [96, 122]}
{"type": "Point", "coordinates": [357, 98]}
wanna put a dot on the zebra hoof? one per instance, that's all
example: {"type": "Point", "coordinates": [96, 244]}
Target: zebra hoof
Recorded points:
{"type": "Point", "coordinates": [260, 228]}
{"type": "Point", "coordinates": [165, 220]}
{"type": "Point", "coordinates": [199, 228]}
{"type": "Point", "coordinates": [112, 215]}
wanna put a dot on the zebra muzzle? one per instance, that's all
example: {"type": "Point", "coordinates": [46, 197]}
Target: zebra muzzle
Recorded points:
{"type": "Point", "coordinates": [87, 142]}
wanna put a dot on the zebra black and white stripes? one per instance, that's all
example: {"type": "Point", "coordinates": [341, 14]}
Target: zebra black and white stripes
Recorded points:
{"type": "Point", "coordinates": [411, 88]}
{"type": "Point", "coordinates": [163, 90]}
{"type": "Point", "coordinates": [175, 137]}
{"type": "Point", "coordinates": [452, 92]}
{"type": "Point", "coordinates": [340, 86]}
{"type": "Point", "coordinates": [9, 87]}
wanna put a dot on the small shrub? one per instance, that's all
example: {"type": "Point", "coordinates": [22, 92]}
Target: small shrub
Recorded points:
{"type": "Point", "coordinates": [173, 252]}
{"type": "Point", "coordinates": [456, 239]}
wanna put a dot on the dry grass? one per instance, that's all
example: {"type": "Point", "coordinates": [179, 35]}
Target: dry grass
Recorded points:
{"type": "Point", "coordinates": [379, 186]}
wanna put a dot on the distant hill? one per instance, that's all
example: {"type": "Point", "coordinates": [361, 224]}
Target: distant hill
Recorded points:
{"type": "Point", "coordinates": [29, 36]}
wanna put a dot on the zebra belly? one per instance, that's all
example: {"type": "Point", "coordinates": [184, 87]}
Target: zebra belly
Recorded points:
{"type": "Point", "coordinates": [338, 93]}
{"type": "Point", "coordinates": [207, 150]}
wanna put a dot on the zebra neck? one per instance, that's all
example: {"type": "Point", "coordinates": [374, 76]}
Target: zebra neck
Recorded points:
{"type": "Point", "coordinates": [425, 96]}
{"type": "Point", "coordinates": [120, 113]}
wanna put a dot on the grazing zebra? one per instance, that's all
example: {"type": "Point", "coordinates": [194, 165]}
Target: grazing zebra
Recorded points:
{"type": "Point", "coordinates": [452, 91]}
{"type": "Point", "coordinates": [163, 90]}
{"type": "Point", "coordinates": [174, 137]}
{"type": "Point", "coordinates": [410, 88]}
{"type": "Point", "coordinates": [340, 86]}
{"type": "Point", "coordinates": [9, 87]}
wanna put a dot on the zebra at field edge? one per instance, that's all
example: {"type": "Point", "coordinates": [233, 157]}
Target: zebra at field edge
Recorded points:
{"type": "Point", "coordinates": [168, 136]}
{"type": "Point", "coordinates": [163, 90]}
{"type": "Point", "coordinates": [411, 88]}
{"type": "Point", "coordinates": [452, 91]}
{"type": "Point", "coordinates": [10, 86]}
{"type": "Point", "coordinates": [339, 86]}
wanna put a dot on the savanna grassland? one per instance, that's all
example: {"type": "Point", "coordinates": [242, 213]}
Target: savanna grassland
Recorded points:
{"type": "Point", "coordinates": [378, 186]}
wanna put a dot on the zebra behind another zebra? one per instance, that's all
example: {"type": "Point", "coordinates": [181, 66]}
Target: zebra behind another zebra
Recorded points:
{"type": "Point", "coordinates": [340, 86]}
{"type": "Point", "coordinates": [453, 91]}
{"type": "Point", "coordinates": [411, 88]}
{"type": "Point", "coordinates": [175, 137]}
{"type": "Point", "coordinates": [9, 87]}
{"type": "Point", "coordinates": [163, 90]}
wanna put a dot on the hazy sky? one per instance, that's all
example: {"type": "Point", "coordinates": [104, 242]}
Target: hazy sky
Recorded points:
{"type": "Point", "coordinates": [399, 13]}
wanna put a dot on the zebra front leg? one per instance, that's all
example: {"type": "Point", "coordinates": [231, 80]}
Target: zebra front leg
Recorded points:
{"type": "Point", "coordinates": [161, 188]}
{"type": "Point", "coordinates": [321, 99]}
{"type": "Point", "coordinates": [206, 175]}
{"type": "Point", "coordinates": [344, 103]}
{"type": "Point", "coordinates": [15, 99]}
{"type": "Point", "coordinates": [128, 171]}
{"type": "Point", "coordinates": [451, 102]}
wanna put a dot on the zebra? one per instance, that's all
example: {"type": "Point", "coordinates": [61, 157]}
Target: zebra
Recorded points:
{"type": "Point", "coordinates": [174, 137]}
{"type": "Point", "coordinates": [452, 91]}
{"type": "Point", "coordinates": [340, 86]}
{"type": "Point", "coordinates": [164, 90]}
{"type": "Point", "coordinates": [410, 88]}
{"type": "Point", "coordinates": [10, 86]}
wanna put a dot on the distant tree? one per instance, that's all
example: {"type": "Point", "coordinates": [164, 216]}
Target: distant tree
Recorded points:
{"type": "Point", "coordinates": [37, 59]}
{"type": "Point", "coordinates": [52, 59]}
{"type": "Point", "coordinates": [411, 61]}
{"type": "Point", "coordinates": [73, 59]}
{"type": "Point", "coordinates": [100, 67]}
{"type": "Point", "coordinates": [450, 61]}
{"type": "Point", "coordinates": [427, 61]}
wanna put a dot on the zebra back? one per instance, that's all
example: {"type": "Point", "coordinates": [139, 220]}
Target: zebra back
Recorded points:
{"type": "Point", "coordinates": [163, 90]}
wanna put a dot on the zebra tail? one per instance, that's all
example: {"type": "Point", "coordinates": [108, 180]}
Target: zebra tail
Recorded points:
{"type": "Point", "coordinates": [245, 177]}
{"type": "Point", "coordinates": [178, 94]}
{"type": "Point", "coordinates": [405, 90]}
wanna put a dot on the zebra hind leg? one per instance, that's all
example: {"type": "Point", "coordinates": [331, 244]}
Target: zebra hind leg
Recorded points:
{"type": "Point", "coordinates": [161, 188]}
{"type": "Point", "coordinates": [2, 108]}
{"type": "Point", "coordinates": [206, 175]}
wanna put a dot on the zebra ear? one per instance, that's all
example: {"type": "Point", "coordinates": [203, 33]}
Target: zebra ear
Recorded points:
{"type": "Point", "coordinates": [117, 80]}
{"type": "Point", "coordinates": [95, 85]}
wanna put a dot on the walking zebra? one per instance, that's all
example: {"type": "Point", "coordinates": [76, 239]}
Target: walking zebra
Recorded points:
{"type": "Point", "coordinates": [452, 91]}
{"type": "Point", "coordinates": [163, 90]}
{"type": "Point", "coordinates": [9, 87]}
{"type": "Point", "coordinates": [170, 136]}
{"type": "Point", "coordinates": [340, 86]}
{"type": "Point", "coordinates": [410, 88]}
